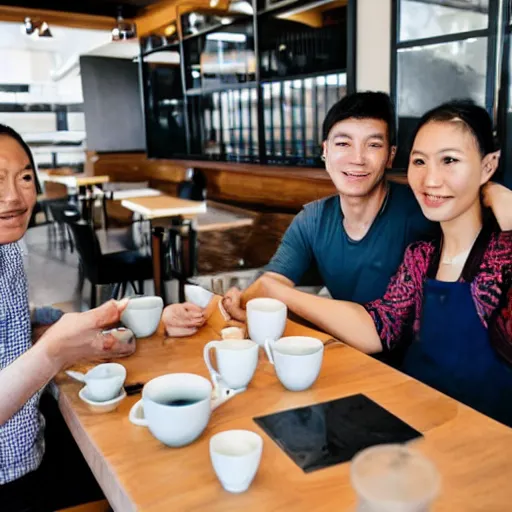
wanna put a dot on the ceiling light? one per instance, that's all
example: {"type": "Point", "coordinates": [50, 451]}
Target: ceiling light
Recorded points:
{"type": "Point", "coordinates": [123, 29]}
{"type": "Point", "coordinates": [38, 28]}
{"type": "Point", "coordinates": [241, 7]}
{"type": "Point", "coordinates": [170, 30]}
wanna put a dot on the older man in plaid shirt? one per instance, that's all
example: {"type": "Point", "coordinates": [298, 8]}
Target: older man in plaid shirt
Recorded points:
{"type": "Point", "coordinates": [28, 479]}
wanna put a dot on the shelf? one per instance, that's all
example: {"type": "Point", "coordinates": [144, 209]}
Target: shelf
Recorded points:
{"type": "Point", "coordinates": [167, 47]}
{"type": "Point", "coordinates": [302, 76]}
{"type": "Point", "coordinates": [217, 27]}
{"type": "Point", "coordinates": [198, 91]}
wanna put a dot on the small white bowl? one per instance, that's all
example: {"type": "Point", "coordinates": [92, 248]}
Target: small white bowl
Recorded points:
{"type": "Point", "coordinates": [101, 407]}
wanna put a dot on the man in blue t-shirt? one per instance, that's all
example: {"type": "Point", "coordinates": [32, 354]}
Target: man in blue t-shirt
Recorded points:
{"type": "Point", "coordinates": [357, 238]}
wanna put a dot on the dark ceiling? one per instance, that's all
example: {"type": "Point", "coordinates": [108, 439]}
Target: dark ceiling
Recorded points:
{"type": "Point", "coordinates": [130, 8]}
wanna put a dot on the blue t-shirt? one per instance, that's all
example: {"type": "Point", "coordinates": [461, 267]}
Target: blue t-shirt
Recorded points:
{"type": "Point", "coordinates": [358, 271]}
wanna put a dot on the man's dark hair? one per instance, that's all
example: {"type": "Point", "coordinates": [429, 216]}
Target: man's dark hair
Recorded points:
{"type": "Point", "coordinates": [362, 105]}
{"type": "Point", "coordinates": [9, 132]}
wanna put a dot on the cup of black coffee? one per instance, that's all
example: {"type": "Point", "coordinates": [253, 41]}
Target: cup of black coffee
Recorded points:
{"type": "Point", "coordinates": [176, 407]}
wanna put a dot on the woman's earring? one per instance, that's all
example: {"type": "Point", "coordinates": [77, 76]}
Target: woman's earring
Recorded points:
{"type": "Point", "coordinates": [323, 158]}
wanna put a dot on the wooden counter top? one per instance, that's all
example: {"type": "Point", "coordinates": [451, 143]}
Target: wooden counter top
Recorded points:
{"type": "Point", "coordinates": [137, 472]}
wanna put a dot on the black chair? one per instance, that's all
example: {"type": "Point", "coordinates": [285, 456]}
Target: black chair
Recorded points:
{"type": "Point", "coordinates": [118, 268]}
{"type": "Point", "coordinates": [63, 212]}
{"type": "Point", "coordinates": [181, 233]}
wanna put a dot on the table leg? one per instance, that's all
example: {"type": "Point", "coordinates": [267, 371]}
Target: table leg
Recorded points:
{"type": "Point", "coordinates": [82, 198]}
{"type": "Point", "coordinates": [158, 262]}
{"type": "Point", "coordinates": [188, 259]}
{"type": "Point", "coordinates": [104, 207]}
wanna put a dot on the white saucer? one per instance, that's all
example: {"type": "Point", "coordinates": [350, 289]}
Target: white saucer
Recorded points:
{"type": "Point", "coordinates": [108, 406]}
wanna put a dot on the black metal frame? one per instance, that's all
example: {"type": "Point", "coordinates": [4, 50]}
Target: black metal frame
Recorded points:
{"type": "Point", "coordinates": [263, 155]}
{"type": "Point", "coordinates": [504, 124]}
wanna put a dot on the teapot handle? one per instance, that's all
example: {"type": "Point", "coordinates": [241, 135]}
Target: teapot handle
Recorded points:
{"type": "Point", "coordinates": [222, 394]}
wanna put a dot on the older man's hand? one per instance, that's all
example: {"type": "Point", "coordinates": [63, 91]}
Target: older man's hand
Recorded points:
{"type": "Point", "coordinates": [79, 336]}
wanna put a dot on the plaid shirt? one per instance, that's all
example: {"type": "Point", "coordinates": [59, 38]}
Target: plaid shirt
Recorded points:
{"type": "Point", "coordinates": [21, 438]}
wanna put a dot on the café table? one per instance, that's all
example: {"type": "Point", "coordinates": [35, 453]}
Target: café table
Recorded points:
{"type": "Point", "coordinates": [136, 472]}
{"type": "Point", "coordinates": [85, 186]}
{"type": "Point", "coordinates": [155, 209]}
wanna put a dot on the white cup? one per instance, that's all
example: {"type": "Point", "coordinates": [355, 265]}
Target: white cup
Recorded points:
{"type": "Point", "coordinates": [392, 477]}
{"type": "Point", "coordinates": [297, 360]}
{"type": "Point", "coordinates": [104, 382]}
{"type": "Point", "coordinates": [142, 315]}
{"type": "Point", "coordinates": [236, 360]}
{"type": "Point", "coordinates": [197, 295]}
{"type": "Point", "coordinates": [266, 319]}
{"type": "Point", "coordinates": [236, 456]}
{"type": "Point", "coordinates": [176, 407]}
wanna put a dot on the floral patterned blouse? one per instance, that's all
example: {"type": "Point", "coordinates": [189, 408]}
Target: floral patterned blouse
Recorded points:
{"type": "Point", "coordinates": [397, 315]}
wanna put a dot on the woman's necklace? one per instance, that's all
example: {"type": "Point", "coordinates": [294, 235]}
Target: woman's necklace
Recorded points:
{"type": "Point", "coordinates": [461, 257]}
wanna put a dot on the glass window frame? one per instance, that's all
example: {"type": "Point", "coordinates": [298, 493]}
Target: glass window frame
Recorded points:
{"type": "Point", "coordinates": [490, 33]}
{"type": "Point", "coordinates": [498, 16]}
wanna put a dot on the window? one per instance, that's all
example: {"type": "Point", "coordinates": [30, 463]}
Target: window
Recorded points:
{"type": "Point", "coordinates": [445, 49]}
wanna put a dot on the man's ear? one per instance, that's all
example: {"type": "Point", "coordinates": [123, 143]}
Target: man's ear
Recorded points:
{"type": "Point", "coordinates": [324, 150]}
{"type": "Point", "coordinates": [391, 158]}
{"type": "Point", "coordinates": [490, 163]}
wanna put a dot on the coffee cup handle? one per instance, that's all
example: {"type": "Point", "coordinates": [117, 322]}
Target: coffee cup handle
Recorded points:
{"type": "Point", "coordinates": [222, 394]}
{"type": "Point", "coordinates": [136, 415]}
{"type": "Point", "coordinates": [206, 354]}
{"type": "Point", "coordinates": [268, 350]}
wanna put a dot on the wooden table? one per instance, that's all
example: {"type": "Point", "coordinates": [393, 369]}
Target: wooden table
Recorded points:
{"type": "Point", "coordinates": [221, 217]}
{"type": "Point", "coordinates": [85, 185]}
{"type": "Point", "coordinates": [136, 472]}
{"type": "Point", "coordinates": [162, 207]}
{"type": "Point", "coordinates": [77, 180]}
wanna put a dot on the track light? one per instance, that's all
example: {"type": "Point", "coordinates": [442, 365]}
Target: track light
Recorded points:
{"type": "Point", "coordinates": [123, 29]}
{"type": "Point", "coordinates": [40, 28]}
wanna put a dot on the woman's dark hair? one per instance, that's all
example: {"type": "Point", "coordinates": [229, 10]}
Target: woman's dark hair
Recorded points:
{"type": "Point", "coordinates": [476, 119]}
{"type": "Point", "coordinates": [9, 132]}
{"type": "Point", "coordinates": [362, 105]}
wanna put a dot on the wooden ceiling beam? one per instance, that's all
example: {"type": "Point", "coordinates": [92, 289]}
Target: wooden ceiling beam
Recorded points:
{"type": "Point", "coordinates": [66, 19]}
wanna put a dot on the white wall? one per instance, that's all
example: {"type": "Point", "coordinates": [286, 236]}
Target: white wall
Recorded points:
{"type": "Point", "coordinates": [373, 45]}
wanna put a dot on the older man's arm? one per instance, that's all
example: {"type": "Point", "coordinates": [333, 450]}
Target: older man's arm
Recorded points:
{"type": "Point", "coordinates": [75, 337]}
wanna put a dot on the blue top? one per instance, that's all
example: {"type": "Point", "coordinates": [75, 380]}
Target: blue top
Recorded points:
{"type": "Point", "coordinates": [357, 271]}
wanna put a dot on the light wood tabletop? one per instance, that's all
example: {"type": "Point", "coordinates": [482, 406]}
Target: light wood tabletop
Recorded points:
{"type": "Point", "coordinates": [77, 180]}
{"type": "Point", "coordinates": [163, 206]}
{"type": "Point", "coordinates": [222, 217]}
{"type": "Point", "coordinates": [136, 472]}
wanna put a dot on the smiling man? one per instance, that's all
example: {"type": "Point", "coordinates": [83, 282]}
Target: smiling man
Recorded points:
{"type": "Point", "coordinates": [356, 239]}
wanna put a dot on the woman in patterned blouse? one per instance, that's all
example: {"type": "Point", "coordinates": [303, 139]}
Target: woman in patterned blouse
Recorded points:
{"type": "Point", "coordinates": [451, 300]}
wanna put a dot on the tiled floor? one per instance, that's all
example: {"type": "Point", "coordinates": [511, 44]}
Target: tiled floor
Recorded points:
{"type": "Point", "coordinates": [52, 271]}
